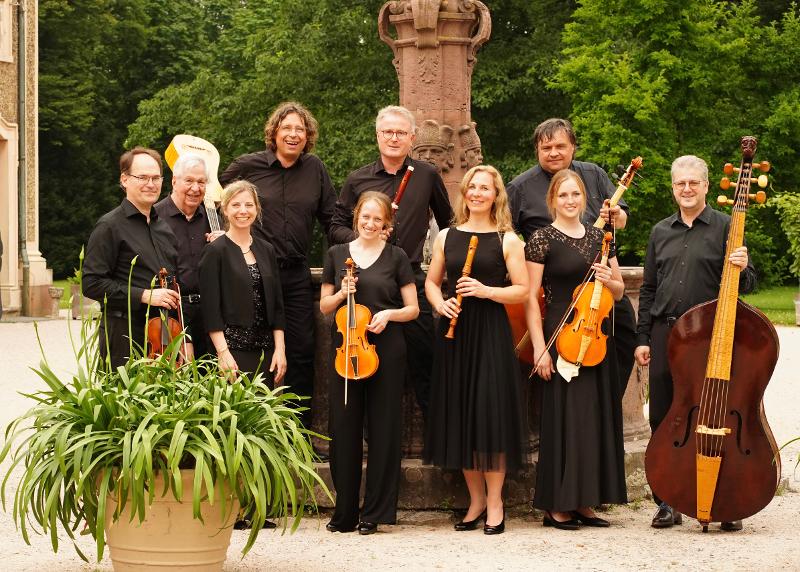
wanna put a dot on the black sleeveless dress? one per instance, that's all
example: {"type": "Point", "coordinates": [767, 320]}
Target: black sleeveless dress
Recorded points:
{"type": "Point", "coordinates": [475, 420]}
{"type": "Point", "coordinates": [581, 450]}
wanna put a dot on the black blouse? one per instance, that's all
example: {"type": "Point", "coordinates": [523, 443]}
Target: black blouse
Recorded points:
{"type": "Point", "coordinates": [379, 284]}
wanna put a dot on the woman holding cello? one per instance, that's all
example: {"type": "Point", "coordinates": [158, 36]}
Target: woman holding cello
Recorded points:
{"type": "Point", "coordinates": [475, 423]}
{"type": "Point", "coordinates": [581, 455]}
{"type": "Point", "coordinates": [384, 284]}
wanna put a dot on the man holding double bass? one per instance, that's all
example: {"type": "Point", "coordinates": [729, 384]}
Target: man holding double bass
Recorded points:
{"type": "Point", "coordinates": [555, 143]}
{"type": "Point", "coordinates": [682, 268]}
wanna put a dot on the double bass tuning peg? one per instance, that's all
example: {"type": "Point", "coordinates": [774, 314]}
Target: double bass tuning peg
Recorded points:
{"type": "Point", "coordinates": [762, 181]}
{"type": "Point", "coordinates": [760, 197]}
{"type": "Point", "coordinates": [763, 166]}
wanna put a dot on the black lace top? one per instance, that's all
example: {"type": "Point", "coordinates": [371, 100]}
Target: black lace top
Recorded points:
{"type": "Point", "coordinates": [259, 336]}
{"type": "Point", "coordinates": [566, 259]}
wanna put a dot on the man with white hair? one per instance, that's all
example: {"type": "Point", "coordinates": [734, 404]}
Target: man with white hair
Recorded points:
{"type": "Point", "coordinates": [682, 268]}
{"type": "Point", "coordinates": [395, 129]}
{"type": "Point", "coordinates": [184, 212]}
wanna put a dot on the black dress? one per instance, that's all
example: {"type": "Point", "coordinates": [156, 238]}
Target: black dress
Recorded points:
{"type": "Point", "coordinates": [581, 452]}
{"type": "Point", "coordinates": [476, 419]}
{"type": "Point", "coordinates": [379, 398]}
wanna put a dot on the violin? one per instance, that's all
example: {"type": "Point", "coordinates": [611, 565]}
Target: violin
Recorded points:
{"type": "Point", "coordinates": [516, 312]}
{"type": "Point", "coordinates": [582, 340]}
{"type": "Point", "coordinates": [163, 329]}
{"type": "Point", "coordinates": [356, 358]}
{"type": "Point", "coordinates": [714, 457]}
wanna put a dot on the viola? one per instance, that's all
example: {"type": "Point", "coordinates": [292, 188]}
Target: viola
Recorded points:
{"type": "Point", "coordinates": [516, 312]}
{"type": "Point", "coordinates": [184, 144]}
{"type": "Point", "coordinates": [465, 271]}
{"type": "Point", "coordinates": [714, 457]}
{"type": "Point", "coordinates": [163, 329]}
{"type": "Point", "coordinates": [356, 358]}
{"type": "Point", "coordinates": [582, 340]}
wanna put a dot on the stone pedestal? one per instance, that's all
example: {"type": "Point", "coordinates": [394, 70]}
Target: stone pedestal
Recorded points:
{"type": "Point", "coordinates": [434, 53]}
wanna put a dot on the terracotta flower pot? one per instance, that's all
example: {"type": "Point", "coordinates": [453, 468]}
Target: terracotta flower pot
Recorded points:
{"type": "Point", "coordinates": [170, 538]}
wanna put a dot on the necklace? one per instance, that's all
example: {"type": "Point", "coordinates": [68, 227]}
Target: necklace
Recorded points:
{"type": "Point", "coordinates": [249, 244]}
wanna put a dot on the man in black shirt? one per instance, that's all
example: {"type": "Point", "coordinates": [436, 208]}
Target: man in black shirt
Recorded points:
{"type": "Point", "coordinates": [186, 215]}
{"type": "Point", "coordinates": [133, 229]}
{"type": "Point", "coordinates": [294, 188]}
{"type": "Point", "coordinates": [555, 143]}
{"type": "Point", "coordinates": [682, 268]}
{"type": "Point", "coordinates": [395, 128]}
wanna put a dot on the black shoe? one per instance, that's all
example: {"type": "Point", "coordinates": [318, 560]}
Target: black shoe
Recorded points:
{"type": "Point", "coordinates": [589, 520]}
{"type": "Point", "coordinates": [731, 526]}
{"type": "Point", "coordinates": [321, 456]}
{"type": "Point", "coordinates": [330, 527]}
{"type": "Point", "coordinates": [470, 524]}
{"type": "Point", "coordinates": [246, 524]}
{"type": "Point", "coordinates": [496, 528]}
{"type": "Point", "coordinates": [666, 516]}
{"type": "Point", "coordinates": [367, 528]}
{"type": "Point", "coordinates": [570, 524]}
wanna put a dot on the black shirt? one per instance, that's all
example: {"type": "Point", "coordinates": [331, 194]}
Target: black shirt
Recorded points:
{"type": "Point", "coordinates": [191, 236]}
{"type": "Point", "coordinates": [118, 237]}
{"type": "Point", "coordinates": [379, 284]}
{"type": "Point", "coordinates": [683, 267]}
{"type": "Point", "coordinates": [425, 191]}
{"type": "Point", "coordinates": [527, 196]}
{"type": "Point", "coordinates": [290, 199]}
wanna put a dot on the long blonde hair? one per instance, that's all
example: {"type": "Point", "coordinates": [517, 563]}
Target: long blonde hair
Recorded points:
{"type": "Point", "coordinates": [500, 214]}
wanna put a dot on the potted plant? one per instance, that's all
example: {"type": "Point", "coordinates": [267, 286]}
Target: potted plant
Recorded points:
{"type": "Point", "coordinates": [80, 304]}
{"type": "Point", "coordinates": [100, 450]}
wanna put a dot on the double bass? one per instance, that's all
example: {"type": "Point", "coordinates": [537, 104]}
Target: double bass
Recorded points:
{"type": "Point", "coordinates": [714, 457]}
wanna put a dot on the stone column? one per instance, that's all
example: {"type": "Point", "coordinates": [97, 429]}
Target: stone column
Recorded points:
{"type": "Point", "coordinates": [434, 53]}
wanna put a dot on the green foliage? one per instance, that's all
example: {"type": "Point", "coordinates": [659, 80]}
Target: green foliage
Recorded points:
{"type": "Point", "coordinates": [102, 433]}
{"type": "Point", "coordinates": [788, 206]}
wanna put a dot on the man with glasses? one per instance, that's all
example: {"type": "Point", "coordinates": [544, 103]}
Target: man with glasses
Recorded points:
{"type": "Point", "coordinates": [682, 268]}
{"type": "Point", "coordinates": [132, 230]}
{"type": "Point", "coordinates": [555, 144]}
{"type": "Point", "coordinates": [185, 213]}
{"type": "Point", "coordinates": [294, 188]}
{"type": "Point", "coordinates": [395, 129]}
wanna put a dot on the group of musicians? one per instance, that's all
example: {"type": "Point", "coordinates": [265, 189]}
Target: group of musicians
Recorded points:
{"type": "Point", "coordinates": [247, 299]}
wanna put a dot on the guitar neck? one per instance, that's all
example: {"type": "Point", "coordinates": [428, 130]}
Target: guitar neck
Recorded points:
{"type": "Point", "coordinates": [211, 213]}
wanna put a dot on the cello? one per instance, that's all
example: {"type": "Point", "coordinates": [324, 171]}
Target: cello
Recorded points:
{"type": "Point", "coordinates": [356, 358]}
{"type": "Point", "coordinates": [714, 457]}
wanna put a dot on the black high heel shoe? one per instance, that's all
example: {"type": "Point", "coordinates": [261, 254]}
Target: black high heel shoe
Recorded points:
{"type": "Point", "coordinates": [589, 520]}
{"type": "Point", "coordinates": [470, 524]}
{"type": "Point", "coordinates": [496, 528]}
{"type": "Point", "coordinates": [570, 524]}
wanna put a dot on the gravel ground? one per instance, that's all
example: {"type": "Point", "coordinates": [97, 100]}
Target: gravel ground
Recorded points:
{"type": "Point", "coordinates": [426, 540]}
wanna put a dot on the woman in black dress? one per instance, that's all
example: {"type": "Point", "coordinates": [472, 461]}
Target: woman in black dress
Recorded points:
{"type": "Point", "coordinates": [385, 284]}
{"type": "Point", "coordinates": [475, 422]}
{"type": "Point", "coordinates": [240, 294]}
{"type": "Point", "coordinates": [581, 455]}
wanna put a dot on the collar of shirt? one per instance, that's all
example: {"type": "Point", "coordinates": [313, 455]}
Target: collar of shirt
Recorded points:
{"type": "Point", "coordinates": [379, 167]}
{"type": "Point", "coordinates": [274, 163]}
{"type": "Point", "coordinates": [704, 217]}
{"type": "Point", "coordinates": [172, 209]}
{"type": "Point", "coordinates": [130, 210]}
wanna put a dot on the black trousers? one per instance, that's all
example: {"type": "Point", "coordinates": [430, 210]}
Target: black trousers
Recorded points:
{"type": "Point", "coordinates": [419, 336]}
{"type": "Point", "coordinates": [380, 399]}
{"type": "Point", "coordinates": [298, 302]}
{"type": "Point", "coordinates": [624, 340]}
{"type": "Point", "coordinates": [114, 341]}
{"type": "Point", "coordinates": [660, 376]}
{"type": "Point", "coordinates": [253, 362]}
{"type": "Point", "coordinates": [193, 319]}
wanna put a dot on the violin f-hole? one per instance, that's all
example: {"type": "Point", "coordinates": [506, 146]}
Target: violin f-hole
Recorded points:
{"type": "Point", "coordinates": [738, 416]}
{"type": "Point", "coordinates": [688, 428]}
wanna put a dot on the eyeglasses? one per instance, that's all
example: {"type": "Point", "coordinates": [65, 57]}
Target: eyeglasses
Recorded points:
{"type": "Point", "coordinates": [388, 134]}
{"type": "Point", "coordinates": [144, 179]}
{"type": "Point", "coordinates": [694, 185]}
{"type": "Point", "coordinates": [192, 183]}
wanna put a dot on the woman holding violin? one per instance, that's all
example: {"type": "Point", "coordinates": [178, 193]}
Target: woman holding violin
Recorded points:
{"type": "Point", "coordinates": [240, 293]}
{"type": "Point", "coordinates": [475, 423]}
{"type": "Point", "coordinates": [383, 282]}
{"type": "Point", "coordinates": [581, 455]}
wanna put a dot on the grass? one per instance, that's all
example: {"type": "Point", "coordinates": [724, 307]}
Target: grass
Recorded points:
{"type": "Point", "coordinates": [777, 303]}
{"type": "Point", "coordinates": [64, 303]}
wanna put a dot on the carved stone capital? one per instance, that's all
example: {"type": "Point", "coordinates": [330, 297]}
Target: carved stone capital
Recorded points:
{"type": "Point", "coordinates": [434, 145]}
{"type": "Point", "coordinates": [471, 154]}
